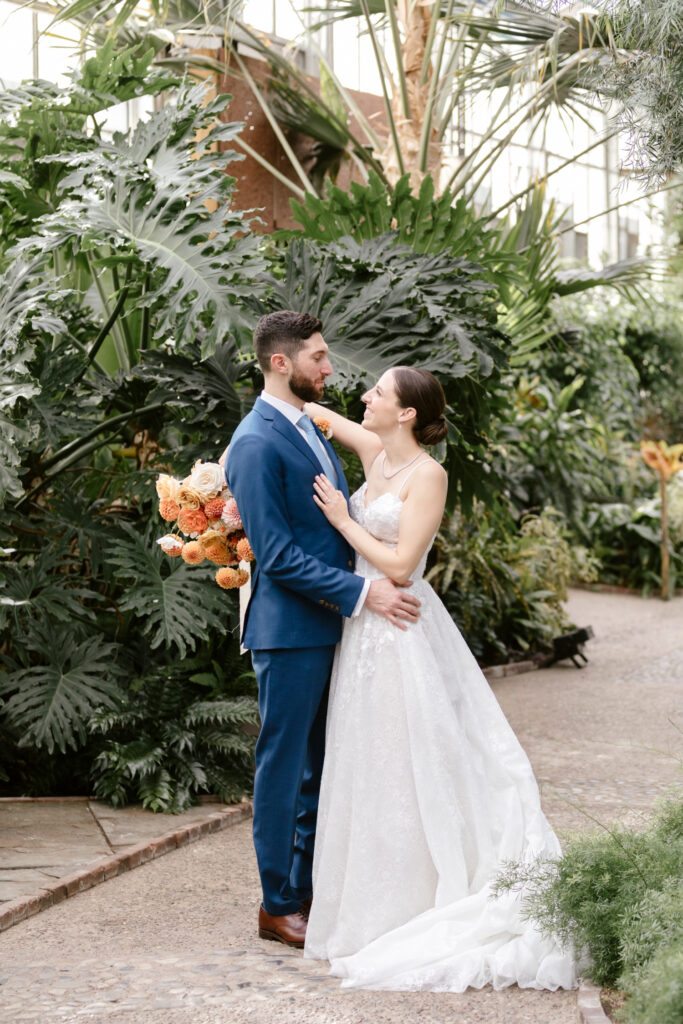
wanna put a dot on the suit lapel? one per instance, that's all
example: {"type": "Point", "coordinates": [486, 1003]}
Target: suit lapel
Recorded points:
{"type": "Point", "coordinates": [287, 430]}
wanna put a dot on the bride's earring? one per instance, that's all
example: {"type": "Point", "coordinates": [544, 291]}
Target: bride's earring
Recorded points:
{"type": "Point", "coordinates": [400, 426]}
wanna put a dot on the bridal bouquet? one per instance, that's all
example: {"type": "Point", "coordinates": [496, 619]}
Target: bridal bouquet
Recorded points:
{"type": "Point", "coordinates": [207, 522]}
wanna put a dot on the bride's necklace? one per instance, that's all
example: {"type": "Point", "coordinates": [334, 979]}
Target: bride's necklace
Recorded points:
{"type": "Point", "coordinates": [401, 468]}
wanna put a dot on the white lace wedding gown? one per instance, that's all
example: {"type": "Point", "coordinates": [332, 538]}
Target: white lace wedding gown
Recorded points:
{"type": "Point", "coordinates": [425, 793]}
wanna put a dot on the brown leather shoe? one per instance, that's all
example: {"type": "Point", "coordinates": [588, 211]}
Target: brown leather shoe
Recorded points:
{"type": "Point", "coordinates": [306, 907]}
{"type": "Point", "coordinates": [287, 928]}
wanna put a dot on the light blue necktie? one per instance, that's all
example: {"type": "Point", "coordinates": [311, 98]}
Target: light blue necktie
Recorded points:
{"type": "Point", "coordinates": [306, 423]}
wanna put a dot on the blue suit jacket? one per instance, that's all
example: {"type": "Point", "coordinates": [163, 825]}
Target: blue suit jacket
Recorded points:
{"type": "Point", "coordinates": [303, 581]}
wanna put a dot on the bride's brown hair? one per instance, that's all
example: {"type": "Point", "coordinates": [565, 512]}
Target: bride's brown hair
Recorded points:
{"type": "Point", "coordinates": [420, 390]}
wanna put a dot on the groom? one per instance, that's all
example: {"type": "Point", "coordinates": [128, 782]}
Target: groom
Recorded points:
{"type": "Point", "coordinates": [302, 586]}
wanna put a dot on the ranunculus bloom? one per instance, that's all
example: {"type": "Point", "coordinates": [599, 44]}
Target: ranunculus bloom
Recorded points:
{"type": "Point", "coordinates": [188, 497]}
{"type": "Point", "coordinates": [213, 508]}
{"type": "Point", "coordinates": [192, 553]}
{"type": "Point", "coordinates": [207, 478]}
{"type": "Point", "coordinates": [244, 550]}
{"type": "Point", "coordinates": [169, 509]}
{"type": "Point", "coordinates": [228, 579]}
{"type": "Point", "coordinates": [192, 521]}
{"type": "Point", "coordinates": [170, 545]}
{"type": "Point", "coordinates": [167, 487]}
{"type": "Point", "coordinates": [231, 516]}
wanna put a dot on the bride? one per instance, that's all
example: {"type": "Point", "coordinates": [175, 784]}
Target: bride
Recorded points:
{"type": "Point", "coordinates": [426, 791]}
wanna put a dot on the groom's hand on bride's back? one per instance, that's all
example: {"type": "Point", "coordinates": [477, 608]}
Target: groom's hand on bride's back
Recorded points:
{"type": "Point", "coordinates": [393, 602]}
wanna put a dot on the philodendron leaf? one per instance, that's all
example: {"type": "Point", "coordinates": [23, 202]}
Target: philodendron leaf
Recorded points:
{"type": "Point", "coordinates": [51, 702]}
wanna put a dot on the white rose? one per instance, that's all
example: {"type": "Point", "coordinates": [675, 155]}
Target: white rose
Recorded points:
{"type": "Point", "coordinates": [207, 478]}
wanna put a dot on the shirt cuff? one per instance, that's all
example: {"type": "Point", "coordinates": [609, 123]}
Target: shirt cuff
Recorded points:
{"type": "Point", "coordinates": [361, 599]}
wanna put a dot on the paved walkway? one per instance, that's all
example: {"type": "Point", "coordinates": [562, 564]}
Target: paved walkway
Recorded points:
{"type": "Point", "coordinates": [174, 941]}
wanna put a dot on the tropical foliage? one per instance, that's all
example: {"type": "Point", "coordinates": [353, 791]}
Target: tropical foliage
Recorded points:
{"type": "Point", "coordinates": [124, 273]}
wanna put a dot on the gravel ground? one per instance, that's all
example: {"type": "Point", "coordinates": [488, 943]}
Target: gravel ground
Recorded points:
{"type": "Point", "coordinates": [175, 940]}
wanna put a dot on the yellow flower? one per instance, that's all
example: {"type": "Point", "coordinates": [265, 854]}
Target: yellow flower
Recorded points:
{"type": "Point", "coordinates": [667, 460]}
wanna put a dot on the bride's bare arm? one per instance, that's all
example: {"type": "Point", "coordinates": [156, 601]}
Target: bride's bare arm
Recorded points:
{"type": "Point", "coordinates": [353, 436]}
{"type": "Point", "coordinates": [420, 518]}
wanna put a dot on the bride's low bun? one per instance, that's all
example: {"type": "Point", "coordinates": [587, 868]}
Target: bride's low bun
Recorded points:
{"type": "Point", "coordinates": [432, 432]}
{"type": "Point", "coordinates": [421, 391]}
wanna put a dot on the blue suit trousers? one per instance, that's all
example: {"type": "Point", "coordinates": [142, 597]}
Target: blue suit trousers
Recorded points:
{"type": "Point", "coordinates": [293, 689]}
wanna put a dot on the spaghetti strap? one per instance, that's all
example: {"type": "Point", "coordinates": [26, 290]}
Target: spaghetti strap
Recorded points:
{"type": "Point", "coordinates": [416, 466]}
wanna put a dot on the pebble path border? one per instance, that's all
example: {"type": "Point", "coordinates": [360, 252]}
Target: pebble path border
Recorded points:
{"type": "Point", "coordinates": [589, 1005]}
{"type": "Point", "coordinates": [109, 867]}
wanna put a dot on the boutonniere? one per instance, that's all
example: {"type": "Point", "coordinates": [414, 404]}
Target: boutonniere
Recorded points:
{"type": "Point", "coordinates": [324, 426]}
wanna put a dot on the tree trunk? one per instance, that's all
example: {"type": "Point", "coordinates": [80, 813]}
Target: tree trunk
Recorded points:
{"type": "Point", "coordinates": [414, 19]}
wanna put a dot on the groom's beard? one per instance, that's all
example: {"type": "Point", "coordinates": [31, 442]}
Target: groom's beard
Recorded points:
{"type": "Point", "coordinates": [304, 388]}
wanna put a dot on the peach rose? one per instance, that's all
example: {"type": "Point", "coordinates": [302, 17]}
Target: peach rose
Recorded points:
{"type": "Point", "coordinates": [167, 487]}
{"type": "Point", "coordinates": [189, 498]}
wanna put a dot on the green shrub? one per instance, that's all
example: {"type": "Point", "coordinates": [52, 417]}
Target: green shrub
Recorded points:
{"type": "Point", "coordinates": [176, 733]}
{"type": "Point", "coordinates": [655, 921]}
{"type": "Point", "coordinates": [504, 582]}
{"type": "Point", "coordinates": [657, 998]}
{"type": "Point", "coordinates": [605, 890]}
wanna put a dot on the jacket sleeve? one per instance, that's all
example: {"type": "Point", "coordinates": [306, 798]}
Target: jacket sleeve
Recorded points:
{"type": "Point", "coordinates": [254, 475]}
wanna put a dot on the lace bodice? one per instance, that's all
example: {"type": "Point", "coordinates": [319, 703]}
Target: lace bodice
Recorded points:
{"type": "Point", "coordinates": [380, 518]}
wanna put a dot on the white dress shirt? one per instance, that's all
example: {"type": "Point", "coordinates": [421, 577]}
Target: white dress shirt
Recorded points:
{"type": "Point", "coordinates": [293, 414]}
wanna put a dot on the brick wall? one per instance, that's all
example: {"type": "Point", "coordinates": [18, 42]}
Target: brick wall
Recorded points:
{"type": "Point", "coordinates": [256, 187]}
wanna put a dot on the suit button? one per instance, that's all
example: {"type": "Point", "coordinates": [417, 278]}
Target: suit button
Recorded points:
{"type": "Point", "coordinates": [350, 564]}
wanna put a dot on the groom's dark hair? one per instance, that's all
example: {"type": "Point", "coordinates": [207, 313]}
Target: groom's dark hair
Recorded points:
{"type": "Point", "coordinates": [285, 332]}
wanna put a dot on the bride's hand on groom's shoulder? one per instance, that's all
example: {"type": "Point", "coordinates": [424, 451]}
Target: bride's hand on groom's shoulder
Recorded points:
{"type": "Point", "coordinates": [330, 501]}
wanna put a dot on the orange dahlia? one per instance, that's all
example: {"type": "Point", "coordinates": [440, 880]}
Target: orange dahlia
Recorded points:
{"type": "Point", "coordinates": [213, 508]}
{"type": "Point", "coordinates": [169, 509]}
{"type": "Point", "coordinates": [244, 550]}
{"type": "Point", "coordinates": [192, 553]}
{"type": "Point", "coordinates": [192, 521]}
{"type": "Point", "coordinates": [228, 579]}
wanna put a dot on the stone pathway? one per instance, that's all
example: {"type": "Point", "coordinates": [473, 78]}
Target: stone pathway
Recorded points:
{"type": "Point", "coordinates": [175, 941]}
{"type": "Point", "coordinates": [43, 840]}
